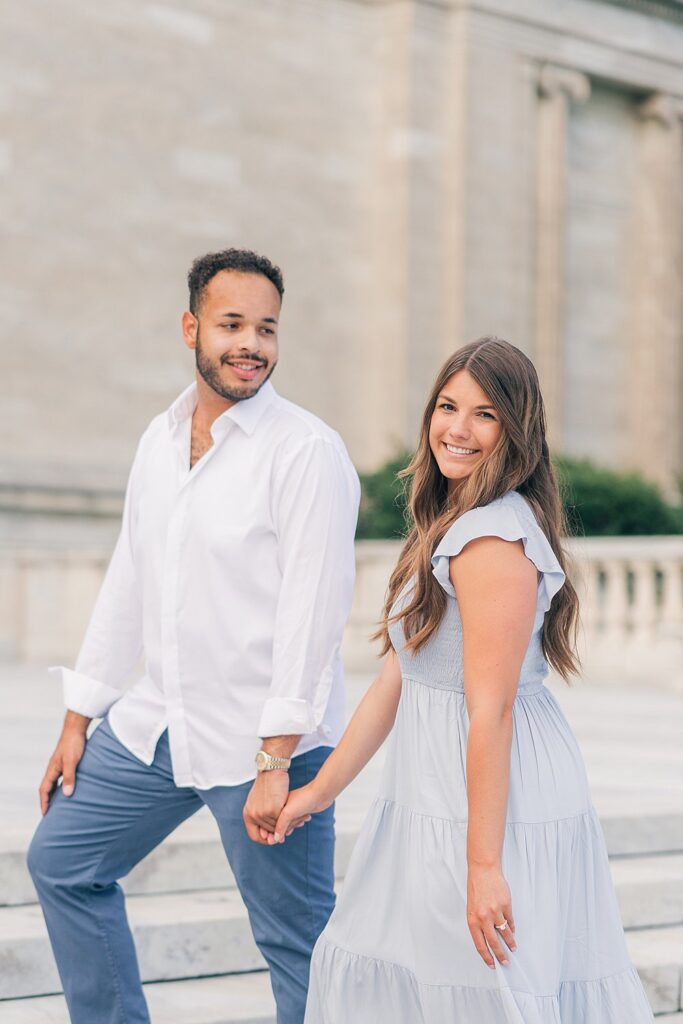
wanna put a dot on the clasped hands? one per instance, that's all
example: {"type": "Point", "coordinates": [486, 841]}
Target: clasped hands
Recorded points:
{"type": "Point", "coordinates": [271, 812]}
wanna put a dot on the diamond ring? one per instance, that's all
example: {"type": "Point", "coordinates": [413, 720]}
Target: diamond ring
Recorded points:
{"type": "Point", "coordinates": [501, 927]}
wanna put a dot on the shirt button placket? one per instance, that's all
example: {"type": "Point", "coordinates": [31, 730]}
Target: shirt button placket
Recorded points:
{"type": "Point", "coordinates": [177, 723]}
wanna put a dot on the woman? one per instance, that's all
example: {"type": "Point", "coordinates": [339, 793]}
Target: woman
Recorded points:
{"type": "Point", "coordinates": [479, 889]}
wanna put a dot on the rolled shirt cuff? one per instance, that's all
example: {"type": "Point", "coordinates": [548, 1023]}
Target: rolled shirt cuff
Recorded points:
{"type": "Point", "coordinates": [84, 695]}
{"type": "Point", "coordinates": [287, 716]}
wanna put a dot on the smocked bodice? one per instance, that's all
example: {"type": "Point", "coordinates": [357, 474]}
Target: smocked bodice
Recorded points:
{"type": "Point", "coordinates": [439, 663]}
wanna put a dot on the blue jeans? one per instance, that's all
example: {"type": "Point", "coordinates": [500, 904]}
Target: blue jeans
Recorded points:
{"type": "Point", "coordinates": [121, 809]}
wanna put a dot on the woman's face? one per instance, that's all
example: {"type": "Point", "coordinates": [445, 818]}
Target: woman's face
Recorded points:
{"type": "Point", "coordinates": [464, 429]}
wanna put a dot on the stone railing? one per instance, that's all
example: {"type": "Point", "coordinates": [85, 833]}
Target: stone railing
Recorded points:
{"type": "Point", "coordinates": [631, 593]}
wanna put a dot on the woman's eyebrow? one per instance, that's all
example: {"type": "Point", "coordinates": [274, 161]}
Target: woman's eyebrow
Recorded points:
{"type": "Point", "coordinates": [453, 402]}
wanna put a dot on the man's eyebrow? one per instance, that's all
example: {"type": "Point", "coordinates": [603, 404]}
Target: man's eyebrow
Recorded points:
{"type": "Point", "coordinates": [240, 316]}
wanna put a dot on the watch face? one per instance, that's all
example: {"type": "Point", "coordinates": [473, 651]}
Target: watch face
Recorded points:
{"type": "Point", "coordinates": [261, 760]}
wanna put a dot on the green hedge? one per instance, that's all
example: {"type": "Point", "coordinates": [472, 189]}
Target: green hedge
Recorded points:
{"type": "Point", "coordinates": [604, 503]}
{"type": "Point", "coordinates": [599, 502]}
{"type": "Point", "coordinates": [382, 503]}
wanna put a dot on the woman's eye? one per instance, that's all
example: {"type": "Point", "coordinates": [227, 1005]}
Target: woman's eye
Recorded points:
{"type": "Point", "coordinates": [446, 405]}
{"type": "Point", "coordinates": [487, 415]}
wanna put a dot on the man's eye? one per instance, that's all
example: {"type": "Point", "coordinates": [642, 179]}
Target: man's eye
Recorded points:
{"type": "Point", "coordinates": [268, 330]}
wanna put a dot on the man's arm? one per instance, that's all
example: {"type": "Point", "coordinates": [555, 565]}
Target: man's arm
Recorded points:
{"type": "Point", "coordinates": [110, 651]}
{"type": "Point", "coordinates": [315, 506]}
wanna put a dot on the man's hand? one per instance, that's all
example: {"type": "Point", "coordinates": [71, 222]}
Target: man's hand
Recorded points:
{"type": "Point", "coordinates": [68, 753]}
{"type": "Point", "coordinates": [265, 801]}
{"type": "Point", "coordinates": [301, 805]}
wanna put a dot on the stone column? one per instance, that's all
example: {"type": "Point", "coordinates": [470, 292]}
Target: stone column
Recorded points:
{"type": "Point", "coordinates": [382, 383]}
{"type": "Point", "coordinates": [655, 441]}
{"type": "Point", "coordinates": [557, 89]}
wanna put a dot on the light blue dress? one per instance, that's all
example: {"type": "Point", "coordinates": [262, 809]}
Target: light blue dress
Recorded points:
{"type": "Point", "coordinates": [397, 949]}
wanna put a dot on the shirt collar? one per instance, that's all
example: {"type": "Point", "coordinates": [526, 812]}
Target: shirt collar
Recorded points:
{"type": "Point", "coordinates": [183, 407]}
{"type": "Point", "coordinates": [246, 414]}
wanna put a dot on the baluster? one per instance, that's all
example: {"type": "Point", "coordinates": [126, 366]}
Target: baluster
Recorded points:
{"type": "Point", "coordinates": [616, 607]}
{"type": "Point", "coordinates": [591, 611]}
{"type": "Point", "coordinates": [644, 610]}
{"type": "Point", "coordinates": [671, 618]}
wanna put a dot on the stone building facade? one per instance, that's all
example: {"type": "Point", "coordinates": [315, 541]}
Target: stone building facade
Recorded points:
{"type": "Point", "coordinates": [425, 171]}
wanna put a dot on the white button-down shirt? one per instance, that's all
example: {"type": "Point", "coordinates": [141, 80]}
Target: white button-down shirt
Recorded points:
{"type": "Point", "coordinates": [234, 580]}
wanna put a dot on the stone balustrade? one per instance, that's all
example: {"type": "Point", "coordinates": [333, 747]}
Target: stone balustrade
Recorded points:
{"type": "Point", "coordinates": [631, 591]}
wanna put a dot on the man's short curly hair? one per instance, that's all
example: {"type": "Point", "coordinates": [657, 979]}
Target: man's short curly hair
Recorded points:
{"type": "Point", "coordinates": [244, 261]}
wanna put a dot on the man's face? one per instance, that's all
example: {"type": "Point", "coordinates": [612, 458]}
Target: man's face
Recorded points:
{"type": "Point", "coordinates": [234, 333]}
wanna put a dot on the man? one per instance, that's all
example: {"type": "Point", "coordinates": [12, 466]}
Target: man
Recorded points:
{"type": "Point", "coordinates": [232, 577]}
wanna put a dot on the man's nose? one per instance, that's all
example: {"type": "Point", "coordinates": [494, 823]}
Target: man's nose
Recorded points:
{"type": "Point", "coordinates": [249, 339]}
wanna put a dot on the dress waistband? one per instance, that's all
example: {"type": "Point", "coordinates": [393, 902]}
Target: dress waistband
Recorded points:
{"type": "Point", "coordinates": [523, 691]}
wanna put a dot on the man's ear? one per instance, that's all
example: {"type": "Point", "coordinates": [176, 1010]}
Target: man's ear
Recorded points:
{"type": "Point", "coordinates": [190, 325]}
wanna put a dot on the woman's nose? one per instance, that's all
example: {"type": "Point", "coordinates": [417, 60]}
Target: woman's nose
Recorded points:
{"type": "Point", "coordinates": [459, 428]}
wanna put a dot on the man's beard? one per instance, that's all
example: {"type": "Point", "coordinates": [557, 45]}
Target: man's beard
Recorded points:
{"type": "Point", "coordinates": [211, 374]}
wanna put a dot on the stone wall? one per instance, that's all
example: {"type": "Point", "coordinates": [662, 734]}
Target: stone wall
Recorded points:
{"type": "Point", "coordinates": [424, 173]}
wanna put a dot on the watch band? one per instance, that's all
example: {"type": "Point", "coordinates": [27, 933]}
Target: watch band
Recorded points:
{"type": "Point", "coordinates": [268, 763]}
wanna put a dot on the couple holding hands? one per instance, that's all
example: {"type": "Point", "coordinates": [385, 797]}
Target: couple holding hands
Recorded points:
{"type": "Point", "coordinates": [479, 889]}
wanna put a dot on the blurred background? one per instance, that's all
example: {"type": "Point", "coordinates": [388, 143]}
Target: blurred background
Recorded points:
{"type": "Point", "coordinates": [424, 172]}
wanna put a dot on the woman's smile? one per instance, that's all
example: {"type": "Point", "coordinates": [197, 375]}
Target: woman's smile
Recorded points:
{"type": "Point", "coordinates": [460, 452]}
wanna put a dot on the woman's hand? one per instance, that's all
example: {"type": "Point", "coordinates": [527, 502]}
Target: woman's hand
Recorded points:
{"type": "Point", "coordinates": [301, 804]}
{"type": "Point", "coordinates": [489, 903]}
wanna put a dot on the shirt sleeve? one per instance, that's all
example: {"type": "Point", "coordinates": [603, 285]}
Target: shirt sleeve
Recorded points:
{"type": "Point", "coordinates": [315, 509]}
{"type": "Point", "coordinates": [113, 640]}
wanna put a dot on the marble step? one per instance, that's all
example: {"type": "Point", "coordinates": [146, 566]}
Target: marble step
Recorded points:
{"type": "Point", "coordinates": [193, 859]}
{"type": "Point", "coordinates": [233, 999]}
{"type": "Point", "coordinates": [240, 999]}
{"type": "Point", "coordinates": [649, 889]}
{"type": "Point", "coordinates": [190, 860]}
{"type": "Point", "coordinates": [191, 935]}
{"type": "Point", "coordinates": [182, 935]}
{"type": "Point", "coordinates": [246, 998]}
{"type": "Point", "coordinates": [658, 955]}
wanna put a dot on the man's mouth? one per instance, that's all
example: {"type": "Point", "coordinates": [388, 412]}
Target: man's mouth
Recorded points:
{"type": "Point", "coordinates": [461, 452]}
{"type": "Point", "coordinates": [245, 369]}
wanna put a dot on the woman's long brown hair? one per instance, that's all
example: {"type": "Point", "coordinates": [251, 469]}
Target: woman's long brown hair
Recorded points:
{"type": "Point", "coordinates": [520, 461]}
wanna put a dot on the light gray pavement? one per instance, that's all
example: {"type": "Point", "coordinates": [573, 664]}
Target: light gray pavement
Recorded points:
{"type": "Point", "coordinates": [632, 741]}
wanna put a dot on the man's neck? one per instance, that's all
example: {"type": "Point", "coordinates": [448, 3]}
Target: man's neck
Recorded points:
{"type": "Point", "coordinates": [209, 405]}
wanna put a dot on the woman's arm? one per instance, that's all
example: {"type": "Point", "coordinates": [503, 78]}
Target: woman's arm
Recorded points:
{"type": "Point", "coordinates": [370, 725]}
{"type": "Point", "coordinates": [496, 588]}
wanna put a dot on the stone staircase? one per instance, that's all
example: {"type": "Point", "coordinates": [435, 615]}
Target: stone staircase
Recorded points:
{"type": "Point", "coordinates": [197, 957]}
{"type": "Point", "coordinates": [200, 964]}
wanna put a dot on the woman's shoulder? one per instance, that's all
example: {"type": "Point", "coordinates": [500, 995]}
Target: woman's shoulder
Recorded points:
{"type": "Point", "coordinates": [504, 517]}
{"type": "Point", "coordinates": [509, 517]}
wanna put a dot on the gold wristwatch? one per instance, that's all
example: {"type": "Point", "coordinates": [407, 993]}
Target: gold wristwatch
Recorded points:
{"type": "Point", "coordinates": [267, 763]}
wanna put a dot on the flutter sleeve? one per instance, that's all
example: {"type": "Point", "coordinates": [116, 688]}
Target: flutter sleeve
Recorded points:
{"type": "Point", "coordinates": [501, 519]}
